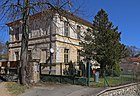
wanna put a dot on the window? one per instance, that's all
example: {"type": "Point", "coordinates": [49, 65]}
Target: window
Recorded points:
{"type": "Point", "coordinates": [88, 30]}
{"type": "Point", "coordinates": [66, 28]}
{"type": "Point", "coordinates": [11, 34]}
{"type": "Point", "coordinates": [44, 55]}
{"type": "Point", "coordinates": [29, 55]}
{"type": "Point", "coordinates": [78, 55]}
{"type": "Point", "coordinates": [53, 28]}
{"type": "Point", "coordinates": [78, 31]}
{"type": "Point", "coordinates": [17, 55]}
{"type": "Point", "coordinates": [66, 55]}
{"type": "Point", "coordinates": [17, 36]}
{"type": "Point", "coordinates": [17, 33]}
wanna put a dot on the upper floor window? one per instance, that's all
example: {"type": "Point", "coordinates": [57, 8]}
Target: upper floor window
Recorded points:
{"type": "Point", "coordinates": [66, 28]}
{"type": "Point", "coordinates": [78, 31]}
{"type": "Point", "coordinates": [11, 32]}
{"type": "Point", "coordinates": [16, 31]}
{"type": "Point", "coordinates": [53, 27]}
{"type": "Point", "coordinates": [88, 30]}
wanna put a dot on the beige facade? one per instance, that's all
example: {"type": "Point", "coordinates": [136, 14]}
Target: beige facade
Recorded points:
{"type": "Point", "coordinates": [65, 38]}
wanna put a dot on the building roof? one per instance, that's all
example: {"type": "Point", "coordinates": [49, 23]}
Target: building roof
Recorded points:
{"type": "Point", "coordinates": [135, 59]}
{"type": "Point", "coordinates": [62, 12]}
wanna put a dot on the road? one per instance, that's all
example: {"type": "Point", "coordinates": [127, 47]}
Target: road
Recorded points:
{"type": "Point", "coordinates": [62, 90]}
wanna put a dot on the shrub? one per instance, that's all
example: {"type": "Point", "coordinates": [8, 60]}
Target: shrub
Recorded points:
{"type": "Point", "coordinates": [117, 70]}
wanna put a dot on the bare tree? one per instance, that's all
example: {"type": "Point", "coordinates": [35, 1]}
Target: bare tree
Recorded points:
{"type": "Point", "coordinates": [3, 50]}
{"type": "Point", "coordinates": [22, 9]}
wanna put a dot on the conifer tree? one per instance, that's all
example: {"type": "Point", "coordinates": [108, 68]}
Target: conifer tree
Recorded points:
{"type": "Point", "coordinates": [104, 40]}
{"type": "Point", "coordinates": [107, 41]}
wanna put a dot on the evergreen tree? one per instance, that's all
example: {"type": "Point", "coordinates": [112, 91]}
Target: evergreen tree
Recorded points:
{"type": "Point", "coordinates": [87, 45]}
{"type": "Point", "coordinates": [104, 40]}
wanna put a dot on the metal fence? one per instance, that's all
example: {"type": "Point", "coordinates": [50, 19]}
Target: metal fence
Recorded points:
{"type": "Point", "coordinates": [64, 79]}
{"type": "Point", "coordinates": [87, 76]}
{"type": "Point", "coordinates": [109, 80]}
{"type": "Point", "coordinates": [64, 74]}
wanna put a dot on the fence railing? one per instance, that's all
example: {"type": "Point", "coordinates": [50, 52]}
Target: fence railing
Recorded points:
{"type": "Point", "coordinates": [64, 79]}
{"type": "Point", "coordinates": [64, 74]}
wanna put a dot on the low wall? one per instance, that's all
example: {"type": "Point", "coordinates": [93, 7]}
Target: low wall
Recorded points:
{"type": "Point", "coordinates": [125, 90]}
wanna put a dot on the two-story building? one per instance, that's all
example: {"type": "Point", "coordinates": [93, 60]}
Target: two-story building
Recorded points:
{"type": "Point", "coordinates": [66, 29]}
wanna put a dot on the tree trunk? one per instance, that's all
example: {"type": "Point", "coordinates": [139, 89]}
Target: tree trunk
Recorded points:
{"type": "Point", "coordinates": [24, 43]}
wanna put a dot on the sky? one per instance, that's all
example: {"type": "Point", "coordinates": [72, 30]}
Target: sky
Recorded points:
{"type": "Point", "coordinates": [123, 13]}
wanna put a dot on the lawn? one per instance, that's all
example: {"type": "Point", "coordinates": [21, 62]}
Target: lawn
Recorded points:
{"type": "Point", "coordinates": [15, 88]}
{"type": "Point", "coordinates": [112, 81]}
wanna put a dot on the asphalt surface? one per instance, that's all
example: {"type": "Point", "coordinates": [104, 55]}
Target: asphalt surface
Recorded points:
{"type": "Point", "coordinates": [62, 90]}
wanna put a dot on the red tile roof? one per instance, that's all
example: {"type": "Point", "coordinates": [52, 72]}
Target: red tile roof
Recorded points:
{"type": "Point", "coordinates": [135, 59]}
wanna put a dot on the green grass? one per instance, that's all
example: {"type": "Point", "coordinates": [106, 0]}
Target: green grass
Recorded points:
{"type": "Point", "coordinates": [15, 88]}
{"type": "Point", "coordinates": [112, 81]}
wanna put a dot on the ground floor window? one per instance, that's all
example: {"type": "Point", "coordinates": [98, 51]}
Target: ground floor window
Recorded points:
{"type": "Point", "coordinates": [17, 55]}
{"type": "Point", "coordinates": [66, 55]}
{"type": "Point", "coordinates": [29, 55]}
{"type": "Point", "coordinates": [44, 55]}
{"type": "Point", "coordinates": [78, 55]}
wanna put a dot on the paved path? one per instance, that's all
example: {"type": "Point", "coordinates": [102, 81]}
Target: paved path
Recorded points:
{"type": "Point", "coordinates": [62, 90]}
{"type": "Point", "coordinates": [3, 90]}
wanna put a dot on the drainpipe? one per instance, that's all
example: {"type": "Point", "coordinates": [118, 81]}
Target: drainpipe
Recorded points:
{"type": "Point", "coordinates": [50, 48]}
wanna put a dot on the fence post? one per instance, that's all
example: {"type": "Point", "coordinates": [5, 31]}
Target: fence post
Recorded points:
{"type": "Point", "coordinates": [60, 72]}
{"type": "Point", "coordinates": [73, 78]}
{"type": "Point", "coordinates": [88, 65]}
{"type": "Point", "coordinates": [40, 69]}
{"type": "Point", "coordinates": [104, 79]}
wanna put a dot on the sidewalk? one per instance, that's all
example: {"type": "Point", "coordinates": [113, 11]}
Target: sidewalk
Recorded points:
{"type": "Point", "coordinates": [54, 90]}
{"type": "Point", "coordinates": [62, 90]}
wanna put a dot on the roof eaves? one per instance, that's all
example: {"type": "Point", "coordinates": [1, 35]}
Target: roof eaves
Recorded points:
{"type": "Point", "coordinates": [63, 13]}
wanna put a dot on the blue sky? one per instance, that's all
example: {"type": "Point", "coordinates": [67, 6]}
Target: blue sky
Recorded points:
{"type": "Point", "coordinates": [123, 13]}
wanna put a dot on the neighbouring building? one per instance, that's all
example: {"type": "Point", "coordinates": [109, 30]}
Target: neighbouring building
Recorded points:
{"type": "Point", "coordinates": [130, 65]}
{"type": "Point", "coordinates": [66, 30]}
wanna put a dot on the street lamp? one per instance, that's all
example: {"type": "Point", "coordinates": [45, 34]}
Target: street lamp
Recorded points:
{"type": "Point", "coordinates": [52, 50]}
{"type": "Point", "coordinates": [51, 54]}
